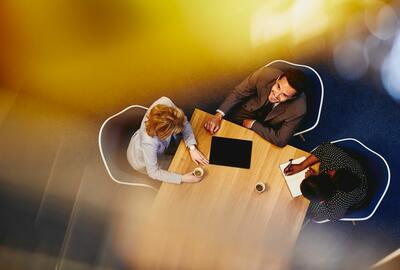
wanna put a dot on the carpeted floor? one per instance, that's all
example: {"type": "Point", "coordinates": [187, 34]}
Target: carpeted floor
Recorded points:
{"type": "Point", "coordinates": [362, 110]}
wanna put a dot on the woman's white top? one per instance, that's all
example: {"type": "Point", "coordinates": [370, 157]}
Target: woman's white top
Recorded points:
{"type": "Point", "coordinates": [143, 150]}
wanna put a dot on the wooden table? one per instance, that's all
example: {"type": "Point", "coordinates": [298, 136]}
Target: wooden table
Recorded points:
{"type": "Point", "coordinates": [221, 222]}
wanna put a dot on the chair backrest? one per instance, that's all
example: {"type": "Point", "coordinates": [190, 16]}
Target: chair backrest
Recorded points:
{"type": "Point", "coordinates": [314, 93]}
{"type": "Point", "coordinates": [378, 177]}
{"type": "Point", "coordinates": [114, 138]}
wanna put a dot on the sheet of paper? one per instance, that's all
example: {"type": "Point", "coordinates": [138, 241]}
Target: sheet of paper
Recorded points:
{"type": "Point", "coordinates": [294, 181]}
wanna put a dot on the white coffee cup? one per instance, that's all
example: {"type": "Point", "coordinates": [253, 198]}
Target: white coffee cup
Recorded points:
{"type": "Point", "coordinates": [260, 187]}
{"type": "Point", "coordinates": [199, 172]}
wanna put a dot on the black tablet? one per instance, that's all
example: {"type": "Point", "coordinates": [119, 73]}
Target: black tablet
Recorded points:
{"type": "Point", "coordinates": [230, 152]}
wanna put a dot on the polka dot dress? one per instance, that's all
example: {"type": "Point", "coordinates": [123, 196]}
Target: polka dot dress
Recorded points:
{"type": "Point", "coordinates": [334, 158]}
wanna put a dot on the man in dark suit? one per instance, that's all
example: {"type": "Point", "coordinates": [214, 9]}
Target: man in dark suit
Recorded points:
{"type": "Point", "coordinates": [269, 101]}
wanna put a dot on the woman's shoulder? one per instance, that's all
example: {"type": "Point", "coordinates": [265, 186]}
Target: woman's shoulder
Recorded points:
{"type": "Point", "coordinates": [164, 101]}
{"type": "Point", "coordinates": [147, 139]}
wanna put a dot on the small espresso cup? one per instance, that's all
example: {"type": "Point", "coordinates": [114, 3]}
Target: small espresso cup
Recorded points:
{"type": "Point", "coordinates": [199, 172]}
{"type": "Point", "coordinates": [259, 187]}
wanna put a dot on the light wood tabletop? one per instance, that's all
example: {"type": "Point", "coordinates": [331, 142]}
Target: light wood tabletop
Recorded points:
{"type": "Point", "coordinates": [221, 222]}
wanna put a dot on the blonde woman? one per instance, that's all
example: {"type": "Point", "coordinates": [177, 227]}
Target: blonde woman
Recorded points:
{"type": "Point", "coordinates": [162, 120]}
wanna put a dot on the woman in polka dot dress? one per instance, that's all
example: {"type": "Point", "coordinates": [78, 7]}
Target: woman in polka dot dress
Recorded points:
{"type": "Point", "coordinates": [341, 183]}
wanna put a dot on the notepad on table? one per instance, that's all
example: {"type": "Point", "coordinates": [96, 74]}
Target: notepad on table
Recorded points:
{"type": "Point", "coordinates": [293, 181]}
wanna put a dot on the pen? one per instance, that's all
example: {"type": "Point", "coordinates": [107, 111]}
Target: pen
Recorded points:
{"type": "Point", "coordinates": [289, 165]}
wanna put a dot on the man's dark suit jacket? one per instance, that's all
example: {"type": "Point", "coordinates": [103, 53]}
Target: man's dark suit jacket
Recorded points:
{"type": "Point", "coordinates": [280, 124]}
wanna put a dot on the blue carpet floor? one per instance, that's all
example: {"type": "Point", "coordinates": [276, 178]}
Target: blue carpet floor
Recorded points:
{"type": "Point", "coordinates": [362, 110]}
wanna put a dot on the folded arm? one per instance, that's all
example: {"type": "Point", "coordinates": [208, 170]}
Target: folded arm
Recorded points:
{"type": "Point", "coordinates": [278, 136]}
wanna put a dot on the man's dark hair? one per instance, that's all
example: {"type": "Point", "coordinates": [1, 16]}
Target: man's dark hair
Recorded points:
{"type": "Point", "coordinates": [296, 79]}
{"type": "Point", "coordinates": [318, 187]}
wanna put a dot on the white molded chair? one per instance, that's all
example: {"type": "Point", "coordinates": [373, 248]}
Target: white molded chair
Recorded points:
{"type": "Point", "coordinates": [114, 138]}
{"type": "Point", "coordinates": [314, 94]}
{"type": "Point", "coordinates": [378, 176]}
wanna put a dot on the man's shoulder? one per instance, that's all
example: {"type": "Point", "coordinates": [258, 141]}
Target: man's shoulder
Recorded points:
{"type": "Point", "coordinates": [298, 105]}
{"type": "Point", "coordinates": [270, 71]}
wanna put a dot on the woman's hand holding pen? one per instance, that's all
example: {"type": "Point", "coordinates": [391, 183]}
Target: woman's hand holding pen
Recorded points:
{"type": "Point", "coordinates": [293, 168]}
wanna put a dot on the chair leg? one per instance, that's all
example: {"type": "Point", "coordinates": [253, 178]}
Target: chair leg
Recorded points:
{"type": "Point", "coordinates": [305, 224]}
{"type": "Point", "coordinates": [302, 137]}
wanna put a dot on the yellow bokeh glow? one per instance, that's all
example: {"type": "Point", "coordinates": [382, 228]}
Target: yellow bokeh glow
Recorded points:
{"type": "Point", "coordinates": [96, 53]}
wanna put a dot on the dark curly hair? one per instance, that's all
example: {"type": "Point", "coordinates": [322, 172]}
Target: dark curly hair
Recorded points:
{"type": "Point", "coordinates": [322, 187]}
{"type": "Point", "coordinates": [318, 187]}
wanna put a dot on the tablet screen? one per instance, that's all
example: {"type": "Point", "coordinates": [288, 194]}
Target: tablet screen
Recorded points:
{"type": "Point", "coordinates": [230, 152]}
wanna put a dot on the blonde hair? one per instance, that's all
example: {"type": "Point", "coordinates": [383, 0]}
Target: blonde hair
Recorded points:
{"type": "Point", "coordinates": [162, 121]}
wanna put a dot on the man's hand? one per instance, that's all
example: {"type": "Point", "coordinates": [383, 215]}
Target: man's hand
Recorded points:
{"type": "Point", "coordinates": [198, 157]}
{"type": "Point", "coordinates": [214, 123]}
{"type": "Point", "coordinates": [248, 123]}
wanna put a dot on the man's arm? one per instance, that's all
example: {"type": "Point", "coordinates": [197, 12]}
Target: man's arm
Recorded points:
{"type": "Point", "coordinates": [281, 136]}
{"type": "Point", "coordinates": [213, 123]}
{"type": "Point", "coordinates": [243, 90]}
